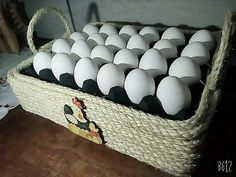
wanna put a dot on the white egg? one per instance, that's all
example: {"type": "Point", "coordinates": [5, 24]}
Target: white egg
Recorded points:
{"type": "Point", "coordinates": [153, 62]}
{"type": "Point", "coordinates": [186, 69]}
{"type": "Point", "coordinates": [167, 48]}
{"type": "Point", "coordinates": [109, 76]}
{"type": "Point", "coordinates": [114, 42]}
{"type": "Point", "coordinates": [173, 94]}
{"type": "Point", "coordinates": [126, 59]}
{"type": "Point", "coordinates": [198, 52]}
{"type": "Point", "coordinates": [81, 49]}
{"type": "Point", "coordinates": [175, 35]}
{"type": "Point", "coordinates": [101, 54]}
{"type": "Point", "coordinates": [85, 69]}
{"type": "Point", "coordinates": [77, 36]}
{"type": "Point", "coordinates": [95, 39]}
{"type": "Point", "coordinates": [90, 29]}
{"type": "Point", "coordinates": [150, 34]}
{"type": "Point", "coordinates": [127, 31]}
{"type": "Point", "coordinates": [138, 84]}
{"type": "Point", "coordinates": [108, 29]}
{"type": "Point", "coordinates": [42, 60]}
{"type": "Point", "coordinates": [205, 37]}
{"type": "Point", "coordinates": [137, 44]}
{"type": "Point", "coordinates": [61, 46]}
{"type": "Point", "coordinates": [62, 63]}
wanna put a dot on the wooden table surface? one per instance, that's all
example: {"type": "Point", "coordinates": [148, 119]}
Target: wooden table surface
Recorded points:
{"type": "Point", "coordinates": [31, 146]}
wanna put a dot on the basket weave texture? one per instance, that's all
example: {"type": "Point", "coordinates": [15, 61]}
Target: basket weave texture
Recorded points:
{"type": "Point", "coordinates": [172, 146]}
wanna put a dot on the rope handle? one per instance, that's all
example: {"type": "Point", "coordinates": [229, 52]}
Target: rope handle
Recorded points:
{"type": "Point", "coordinates": [39, 13]}
{"type": "Point", "coordinates": [212, 90]}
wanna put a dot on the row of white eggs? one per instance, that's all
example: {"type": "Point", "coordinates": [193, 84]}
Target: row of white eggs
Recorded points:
{"type": "Point", "coordinates": [137, 84]}
{"type": "Point", "coordinates": [154, 58]}
{"type": "Point", "coordinates": [152, 61]}
{"type": "Point", "coordinates": [103, 54]}
{"type": "Point", "coordinates": [173, 94]}
{"type": "Point", "coordinates": [81, 46]}
{"type": "Point", "coordinates": [150, 34]}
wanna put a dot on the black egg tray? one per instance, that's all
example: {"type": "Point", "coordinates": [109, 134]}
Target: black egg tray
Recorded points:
{"type": "Point", "coordinates": [148, 104]}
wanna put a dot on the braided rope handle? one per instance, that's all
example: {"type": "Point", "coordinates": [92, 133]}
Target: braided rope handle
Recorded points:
{"type": "Point", "coordinates": [39, 13]}
{"type": "Point", "coordinates": [212, 90]}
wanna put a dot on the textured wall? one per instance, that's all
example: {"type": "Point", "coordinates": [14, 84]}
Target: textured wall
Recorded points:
{"type": "Point", "coordinates": [197, 13]}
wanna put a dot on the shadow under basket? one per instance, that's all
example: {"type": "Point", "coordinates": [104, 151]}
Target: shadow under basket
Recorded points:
{"type": "Point", "coordinates": [170, 145]}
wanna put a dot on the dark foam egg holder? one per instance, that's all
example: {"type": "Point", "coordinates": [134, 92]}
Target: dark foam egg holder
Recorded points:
{"type": "Point", "coordinates": [149, 104]}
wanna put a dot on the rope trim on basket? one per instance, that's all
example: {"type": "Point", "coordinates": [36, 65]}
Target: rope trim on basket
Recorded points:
{"type": "Point", "coordinates": [214, 80]}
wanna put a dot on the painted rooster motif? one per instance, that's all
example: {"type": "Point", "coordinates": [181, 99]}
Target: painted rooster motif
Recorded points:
{"type": "Point", "coordinates": [79, 123]}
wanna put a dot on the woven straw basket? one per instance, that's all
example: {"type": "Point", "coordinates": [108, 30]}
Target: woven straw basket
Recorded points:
{"type": "Point", "coordinates": [172, 146]}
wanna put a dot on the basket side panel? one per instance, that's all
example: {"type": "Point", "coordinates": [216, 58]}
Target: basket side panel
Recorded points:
{"type": "Point", "coordinates": [173, 155]}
